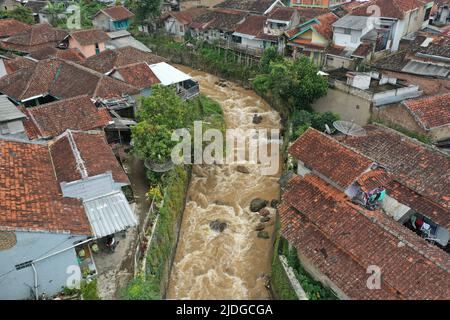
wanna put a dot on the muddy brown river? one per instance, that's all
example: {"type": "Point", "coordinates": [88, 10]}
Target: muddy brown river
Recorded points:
{"type": "Point", "coordinates": [232, 264]}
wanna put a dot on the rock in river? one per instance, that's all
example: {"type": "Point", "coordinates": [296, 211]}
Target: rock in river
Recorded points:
{"type": "Point", "coordinates": [260, 227]}
{"type": "Point", "coordinates": [265, 219]}
{"type": "Point", "coordinates": [264, 212]}
{"type": "Point", "coordinates": [218, 225]}
{"type": "Point", "coordinates": [274, 203]}
{"type": "Point", "coordinates": [257, 119]}
{"type": "Point", "coordinates": [257, 204]}
{"type": "Point", "coordinates": [242, 169]}
{"type": "Point", "coordinates": [263, 235]}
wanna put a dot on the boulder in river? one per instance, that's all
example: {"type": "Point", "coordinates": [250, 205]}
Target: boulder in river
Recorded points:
{"type": "Point", "coordinates": [263, 235]}
{"type": "Point", "coordinates": [264, 212]}
{"type": "Point", "coordinates": [274, 203]}
{"type": "Point", "coordinates": [260, 227]}
{"type": "Point", "coordinates": [265, 219]}
{"type": "Point", "coordinates": [218, 225]}
{"type": "Point", "coordinates": [257, 204]}
{"type": "Point", "coordinates": [243, 169]}
{"type": "Point", "coordinates": [257, 119]}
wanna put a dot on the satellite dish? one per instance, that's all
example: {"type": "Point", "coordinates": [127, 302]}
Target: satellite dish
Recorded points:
{"type": "Point", "coordinates": [349, 128]}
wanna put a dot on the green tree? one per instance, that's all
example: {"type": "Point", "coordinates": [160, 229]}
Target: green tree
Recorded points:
{"type": "Point", "coordinates": [152, 141]}
{"type": "Point", "coordinates": [53, 9]}
{"type": "Point", "coordinates": [294, 82]}
{"type": "Point", "coordinates": [270, 55]}
{"type": "Point", "coordinates": [163, 107]}
{"type": "Point", "coordinates": [20, 13]}
{"type": "Point", "coordinates": [145, 10]}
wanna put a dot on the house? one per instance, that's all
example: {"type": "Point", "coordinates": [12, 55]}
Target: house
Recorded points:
{"type": "Point", "coordinates": [216, 25]}
{"type": "Point", "coordinates": [10, 27]}
{"type": "Point", "coordinates": [317, 3]}
{"type": "Point", "coordinates": [337, 240]}
{"type": "Point", "coordinates": [281, 19]}
{"type": "Point", "coordinates": [89, 42]}
{"type": "Point", "coordinates": [70, 195]}
{"type": "Point", "coordinates": [113, 18]}
{"type": "Point", "coordinates": [49, 120]}
{"type": "Point", "coordinates": [249, 36]}
{"type": "Point", "coordinates": [425, 61]}
{"type": "Point", "coordinates": [122, 38]}
{"type": "Point", "coordinates": [10, 118]}
{"type": "Point", "coordinates": [258, 7]}
{"type": "Point", "coordinates": [108, 60]}
{"type": "Point", "coordinates": [54, 79]}
{"type": "Point", "coordinates": [38, 9]}
{"type": "Point", "coordinates": [358, 95]}
{"type": "Point", "coordinates": [428, 115]}
{"type": "Point", "coordinates": [442, 16]}
{"type": "Point", "coordinates": [11, 63]}
{"type": "Point", "coordinates": [72, 54]}
{"type": "Point", "coordinates": [397, 19]}
{"type": "Point", "coordinates": [39, 36]}
{"type": "Point", "coordinates": [176, 23]}
{"type": "Point", "coordinates": [420, 174]}
{"type": "Point", "coordinates": [312, 38]}
{"type": "Point", "coordinates": [143, 76]}
{"type": "Point", "coordinates": [39, 225]}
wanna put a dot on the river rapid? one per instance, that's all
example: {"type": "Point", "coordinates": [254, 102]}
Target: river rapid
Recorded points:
{"type": "Point", "coordinates": [235, 263]}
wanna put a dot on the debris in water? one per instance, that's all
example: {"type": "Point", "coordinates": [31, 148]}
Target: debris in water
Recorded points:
{"type": "Point", "coordinates": [257, 119]}
{"type": "Point", "coordinates": [264, 212]}
{"type": "Point", "coordinates": [243, 169]}
{"type": "Point", "coordinates": [260, 227]}
{"type": "Point", "coordinates": [218, 225]}
{"type": "Point", "coordinates": [265, 219]}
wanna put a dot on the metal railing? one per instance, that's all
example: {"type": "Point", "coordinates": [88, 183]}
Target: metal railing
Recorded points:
{"type": "Point", "coordinates": [190, 93]}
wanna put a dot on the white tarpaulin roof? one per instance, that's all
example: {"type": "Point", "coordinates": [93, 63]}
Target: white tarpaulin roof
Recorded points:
{"type": "Point", "coordinates": [109, 214]}
{"type": "Point", "coordinates": [167, 74]}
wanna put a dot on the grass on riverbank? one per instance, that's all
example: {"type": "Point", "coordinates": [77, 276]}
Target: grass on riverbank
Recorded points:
{"type": "Point", "coordinates": [203, 56]}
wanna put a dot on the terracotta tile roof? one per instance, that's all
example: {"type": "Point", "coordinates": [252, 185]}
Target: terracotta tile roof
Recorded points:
{"type": "Point", "coordinates": [418, 203]}
{"type": "Point", "coordinates": [419, 167]}
{"type": "Point", "coordinates": [255, 6]}
{"type": "Point", "coordinates": [52, 119]}
{"type": "Point", "coordinates": [95, 152]}
{"type": "Point", "coordinates": [186, 16]}
{"type": "Point", "coordinates": [30, 197]}
{"type": "Point", "coordinates": [62, 79]}
{"type": "Point", "coordinates": [389, 8]}
{"type": "Point", "coordinates": [17, 63]}
{"type": "Point", "coordinates": [342, 241]}
{"type": "Point", "coordinates": [430, 112]}
{"type": "Point", "coordinates": [10, 27]}
{"type": "Point", "coordinates": [324, 27]}
{"type": "Point", "coordinates": [282, 13]}
{"type": "Point", "coordinates": [323, 154]}
{"type": "Point", "coordinates": [117, 13]}
{"type": "Point", "coordinates": [335, 50]}
{"type": "Point", "coordinates": [37, 37]}
{"type": "Point", "coordinates": [72, 54]}
{"type": "Point", "coordinates": [363, 50]}
{"type": "Point", "coordinates": [89, 36]}
{"type": "Point", "coordinates": [254, 26]}
{"type": "Point", "coordinates": [138, 75]}
{"type": "Point", "coordinates": [373, 179]}
{"type": "Point", "coordinates": [109, 59]}
{"type": "Point", "coordinates": [307, 14]}
{"type": "Point", "coordinates": [219, 19]}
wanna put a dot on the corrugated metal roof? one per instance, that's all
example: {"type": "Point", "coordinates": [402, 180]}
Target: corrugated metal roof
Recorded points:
{"type": "Point", "coordinates": [351, 22]}
{"type": "Point", "coordinates": [2, 68]}
{"type": "Point", "coordinates": [167, 74]}
{"type": "Point", "coordinates": [8, 111]}
{"type": "Point", "coordinates": [427, 69]}
{"type": "Point", "coordinates": [109, 214]}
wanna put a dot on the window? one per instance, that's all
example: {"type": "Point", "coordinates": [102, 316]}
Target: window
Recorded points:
{"type": "Point", "coordinates": [347, 31]}
{"type": "Point", "coordinates": [427, 14]}
{"type": "Point", "coordinates": [181, 28]}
